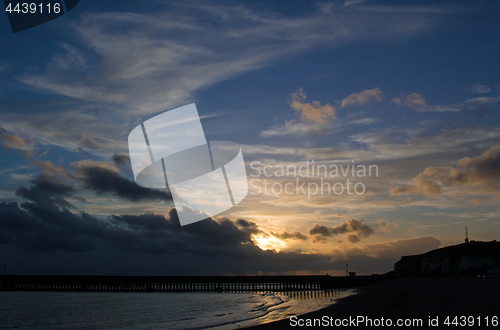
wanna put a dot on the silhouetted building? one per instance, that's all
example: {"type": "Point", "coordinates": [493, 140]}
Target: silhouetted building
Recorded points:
{"type": "Point", "coordinates": [464, 259]}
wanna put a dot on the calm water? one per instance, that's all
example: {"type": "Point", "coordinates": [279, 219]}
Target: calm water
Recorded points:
{"type": "Point", "coordinates": [124, 310]}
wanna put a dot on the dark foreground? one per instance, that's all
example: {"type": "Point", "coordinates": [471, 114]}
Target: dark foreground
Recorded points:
{"type": "Point", "coordinates": [416, 298]}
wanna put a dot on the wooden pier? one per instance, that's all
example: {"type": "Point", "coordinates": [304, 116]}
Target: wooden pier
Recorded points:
{"type": "Point", "coordinates": [180, 283]}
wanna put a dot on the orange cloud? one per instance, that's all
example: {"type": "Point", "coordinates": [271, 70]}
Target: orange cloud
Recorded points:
{"type": "Point", "coordinates": [89, 143]}
{"type": "Point", "coordinates": [311, 112]}
{"type": "Point", "coordinates": [368, 95]}
{"type": "Point", "coordinates": [14, 141]}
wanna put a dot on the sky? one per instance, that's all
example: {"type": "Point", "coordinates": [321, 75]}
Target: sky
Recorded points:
{"type": "Point", "coordinates": [409, 90]}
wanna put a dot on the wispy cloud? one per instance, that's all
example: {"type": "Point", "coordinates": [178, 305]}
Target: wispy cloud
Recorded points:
{"type": "Point", "coordinates": [298, 130]}
{"type": "Point", "coordinates": [470, 104]}
{"type": "Point", "coordinates": [364, 97]}
{"type": "Point", "coordinates": [363, 121]}
{"type": "Point", "coordinates": [417, 101]}
{"type": "Point", "coordinates": [162, 68]}
{"type": "Point", "coordinates": [478, 89]}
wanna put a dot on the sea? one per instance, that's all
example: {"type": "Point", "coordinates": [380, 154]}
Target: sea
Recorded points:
{"type": "Point", "coordinates": [155, 310]}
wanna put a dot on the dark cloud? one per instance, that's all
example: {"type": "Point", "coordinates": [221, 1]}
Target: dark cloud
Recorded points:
{"type": "Point", "coordinates": [320, 230]}
{"type": "Point", "coordinates": [103, 178]}
{"type": "Point", "coordinates": [293, 236]}
{"type": "Point", "coordinates": [105, 181]}
{"type": "Point", "coordinates": [250, 227]}
{"type": "Point", "coordinates": [47, 191]}
{"type": "Point", "coordinates": [206, 247]}
{"type": "Point", "coordinates": [319, 239]}
{"type": "Point", "coordinates": [46, 224]}
{"type": "Point", "coordinates": [50, 239]}
{"type": "Point", "coordinates": [353, 238]}
{"type": "Point", "coordinates": [357, 229]}
{"type": "Point", "coordinates": [121, 160]}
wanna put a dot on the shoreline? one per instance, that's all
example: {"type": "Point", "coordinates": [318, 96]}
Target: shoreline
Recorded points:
{"type": "Point", "coordinates": [412, 298]}
{"type": "Point", "coordinates": [294, 303]}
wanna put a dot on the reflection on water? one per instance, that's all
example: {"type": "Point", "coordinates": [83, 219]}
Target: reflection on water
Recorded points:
{"type": "Point", "coordinates": [143, 310]}
{"type": "Point", "coordinates": [316, 294]}
{"type": "Point", "coordinates": [293, 303]}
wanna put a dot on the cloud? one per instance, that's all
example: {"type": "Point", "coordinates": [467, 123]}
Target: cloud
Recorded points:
{"type": "Point", "coordinates": [42, 228]}
{"type": "Point", "coordinates": [470, 104]}
{"type": "Point", "coordinates": [356, 229]}
{"type": "Point", "coordinates": [399, 248]}
{"type": "Point", "coordinates": [48, 168]}
{"type": "Point", "coordinates": [14, 141]}
{"type": "Point", "coordinates": [364, 97]}
{"type": "Point", "coordinates": [478, 89]}
{"type": "Point", "coordinates": [82, 164]}
{"type": "Point", "coordinates": [210, 247]}
{"type": "Point", "coordinates": [396, 101]}
{"type": "Point", "coordinates": [47, 191]}
{"type": "Point", "coordinates": [482, 172]}
{"type": "Point", "coordinates": [293, 236]}
{"type": "Point", "coordinates": [106, 181]}
{"type": "Point", "coordinates": [45, 234]}
{"type": "Point", "coordinates": [363, 121]}
{"type": "Point", "coordinates": [253, 229]}
{"type": "Point", "coordinates": [83, 151]}
{"type": "Point", "coordinates": [311, 112]}
{"type": "Point", "coordinates": [72, 59]}
{"type": "Point", "coordinates": [249, 227]}
{"type": "Point", "coordinates": [89, 143]}
{"type": "Point", "coordinates": [421, 185]}
{"type": "Point", "coordinates": [121, 160]}
{"type": "Point", "coordinates": [103, 177]}
{"type": "Point", "coordinates": [378, 258]}
{"type": "Point", "coordinates": [315, 119]}
{"type": "Point", "coordinates": [307, 130]}
{"type": "Point", "coordinates": [389, 144]}
{"type": "Point", "coordinates": [173, 52]}
{"type": "Point", "coordinates": [416, 101]}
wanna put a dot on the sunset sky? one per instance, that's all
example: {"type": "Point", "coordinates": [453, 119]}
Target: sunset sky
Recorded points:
{"type": "Point", "coordinates": [412, 88]}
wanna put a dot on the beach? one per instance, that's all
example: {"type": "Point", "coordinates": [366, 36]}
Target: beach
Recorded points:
{"type": "Point", "coordinates": [413, 299]}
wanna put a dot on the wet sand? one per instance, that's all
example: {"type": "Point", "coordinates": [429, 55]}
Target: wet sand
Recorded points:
{"type": "Point", "coordinates": [414, 298]}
